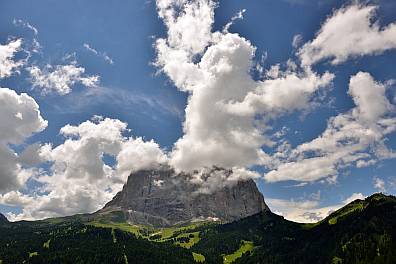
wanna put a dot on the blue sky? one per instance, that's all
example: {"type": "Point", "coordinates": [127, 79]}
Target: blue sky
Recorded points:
{"type": "Point", "coordinates": [116, 42]}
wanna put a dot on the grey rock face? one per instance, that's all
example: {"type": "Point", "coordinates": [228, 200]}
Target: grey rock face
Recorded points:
{"type": "Point", "coordinates": [162, 197]}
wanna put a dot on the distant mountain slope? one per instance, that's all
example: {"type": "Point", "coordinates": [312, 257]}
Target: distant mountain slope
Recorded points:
{"type": "Point", "coordinates": [3, 219]}
{"type": "Point", "coordinates": [162, 197]}
{"type": "Point", "coordinates": [364, 231]}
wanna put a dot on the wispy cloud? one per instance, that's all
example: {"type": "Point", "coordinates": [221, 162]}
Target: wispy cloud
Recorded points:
{"type": "Point", "coordinates": [24, 24]}
{"type": "Point", "coordinates": [103, 55]}
{"type": "Point", "coordinates": [379, 184]}
{"type": "Point", "coordinates": [238, 16]}
{"type": "Point", "coordinates": [33, 45]}
{"type": "Point", "coordinates": [125, 100]}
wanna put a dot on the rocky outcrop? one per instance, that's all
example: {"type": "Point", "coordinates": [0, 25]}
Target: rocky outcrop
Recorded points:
{"type": "Point", "coordinates": [163, 197]}
{"type": "Point", "coordinates": [3, 219]}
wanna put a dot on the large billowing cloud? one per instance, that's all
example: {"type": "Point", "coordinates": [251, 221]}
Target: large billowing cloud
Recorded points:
{"type": "Point", "coordinates": [80, 178]}
{"type": "Point", "coordinates": [349, 32]}
{"type": "Point", "coordinates": [138, 154]}
{"type": "Point", "coordinates": [356, 137]}
{"type": "Point", "coordinates": [221, 123]}
{"type": "Point", "coordinates": [7, 63]}
{"type": "Point", "coordinates": [19, 118]}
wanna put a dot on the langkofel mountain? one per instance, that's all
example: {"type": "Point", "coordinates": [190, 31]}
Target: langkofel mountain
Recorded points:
{"type": "Point", "coordinates": [162, 197]}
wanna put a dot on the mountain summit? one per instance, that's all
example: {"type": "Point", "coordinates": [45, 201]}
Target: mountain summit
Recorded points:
{"type": "Point", "coordinates": [162, 197]}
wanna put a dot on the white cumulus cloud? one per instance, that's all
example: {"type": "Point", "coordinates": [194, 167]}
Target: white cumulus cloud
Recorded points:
{"type": "Point", "coordinates": [7, 53]}
{"type": "Point", "coordinates": [350, 32]}
{"type": "Point", "coordinates": [220, 125]}
{"type": "Point", "coordinates": [79, 179]}
{"type": "Point", "coordinates": [20, 118]}
{"type": "Point", "coordinates": [60, 78]}
{"type": "Point", "coordinates": [356, 137]}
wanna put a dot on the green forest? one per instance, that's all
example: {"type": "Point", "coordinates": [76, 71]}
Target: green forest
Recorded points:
{"type": "Point", "coordinates": [364, 231]}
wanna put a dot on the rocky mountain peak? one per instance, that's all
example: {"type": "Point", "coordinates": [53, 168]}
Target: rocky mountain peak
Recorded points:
{"type": "Point", "coordinates": [163, 197]}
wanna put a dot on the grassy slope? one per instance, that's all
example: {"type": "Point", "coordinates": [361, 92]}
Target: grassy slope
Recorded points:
{"type": "Point", "coordinates": [192, 238]}
{"type": "Point", "coordinates": [157, 234]}
{"type": "Point", "coordinates": [246, 247]}
{"type": "Point", "coordinates": [197, 257]}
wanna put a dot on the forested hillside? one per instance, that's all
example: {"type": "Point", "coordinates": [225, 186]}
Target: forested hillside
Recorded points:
{"type": "Point", "coordinates": [361, 232]}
